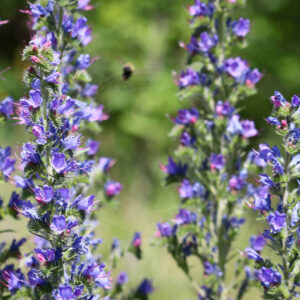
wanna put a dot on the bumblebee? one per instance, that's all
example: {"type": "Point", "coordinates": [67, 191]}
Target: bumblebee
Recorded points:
{"type": "Point", "coordinates": [128, 70]}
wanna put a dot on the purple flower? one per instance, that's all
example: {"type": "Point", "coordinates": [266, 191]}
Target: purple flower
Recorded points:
{"type": "Point", "coordinates": [136, 240]}
{"type": "Point", "coordinates": [187, 140]}
{"type": "Point", "coordinates": [65, 292]}
{"type": "Point", "coordinates": [39, 132]}
{"type": "Point", "coordinates": [217, 161]}
{"type": "Point", "coordinates": [268, 277]}
{"type": "Point", "coordinates": [145, 287]}
{"type": "Point", "coordinates": [241, 27]}
{"type": "Point", "coordinates": [257, 243]}
{"type": "Point", "coordinates": [28, 210]}
{"type": "Point", "coordinates": [35, 278]}
{"type": "Point", "coordinates": [60, 224]}
{"type": "Point", "coordinates": [71, 142]}
{"type": "Point", "coordinates": [84, 203]}
{"type": "Point", "coordinates": [252, 254]}
{"type": "Point", "coordinates": [186, 117]}
{"type": "Point", "coordinates": [43, 194]}
{"type": "Point", "coordinates": [83, 62]}
{"type": "Point", "coordinates": [98, 273]}
{"type": "Point", "coordinates": [237, 182]}
{"type": "Point", "coordinates": [12, 279]}
{"type": "Point", "coordinates": [105, 164]}
{"type": "Point", "coordinates": [262, 199]}
{"type": "Point", "coordinates": [29, 154]}
{"type": "Point", "coordinates": [112, 188]}
{"type": "Point", "coordinates": [249, 129]}
{"type": "Point", "coordinates": [295, 214]}
{"type": "Point", "coordinates": [253, 77]}
{"type": "Point", "coordinates": [35, 100]}
{"type": "Point", "coordinates": [212, 269]}
{"type": "Point", "coordinates": [266, 180]}
{"type": "Point", "coordinates": [53, 78]}
{"type": "Point", "coordinates": [186, 190]}
{"type": "Point", "coordinates": [84, 5]}
{"type": "Point", "coordinates": [174, 169]}
{"type": "Point", "coordinates": [185, 217]}
{"type": "Point", "coordinates": [7, 164]}
{"type": "Point", "coordinates": [295, 101]}
{"type": "Point", "coordinates": [236, 68]}
{"type": "Point", "coordinates": [206, 41]}
{"type": "Point", "coordinates": [234, 126]}
{"type": "Point", "coordinates": [201, 9]}
{"type": "Point", "coordinates": [7, 107]}
{"type": "Point", "coordinates": [188, 77]}
{"type": "Point", "coordinates": [224, 108]}
{"type": "Point", "coordinates": [47, 255]}
{"type": "Point", "coordinates": [276, 221]}
{"type": "Point", "coordinates": [273, 121]}
{"type": "Point", "coordinates": [164, 230]}
{"type": "Point", "coordinates": [278, 100]}
{"type": "Point", "coordinates": [122, 278]}
{"type": "Point", "coordinates": [93, 147]}
{"type": "Point", "coordinates": [58, 162]}
{"type": "Point", "coordinates": [90, 90]}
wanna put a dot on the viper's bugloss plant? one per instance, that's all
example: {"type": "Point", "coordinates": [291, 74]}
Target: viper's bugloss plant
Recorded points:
{"type": "Point", "coordinates": [58, 166]}
{"type": "Point", "coordinates": [211, 166]}
{"type": "Point", "coordinates": [277, 202]}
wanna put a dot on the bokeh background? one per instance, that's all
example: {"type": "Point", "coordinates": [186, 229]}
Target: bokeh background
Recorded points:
{"type": "Point", "coordinates": [146, 34]}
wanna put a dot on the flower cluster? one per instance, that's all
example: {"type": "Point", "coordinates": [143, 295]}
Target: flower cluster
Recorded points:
{"type": "Point", "coordinates": [210, 166]}
{"type": "Point", "coordinates": [277, 202]}
{"type": "Point", "coordinates": [58, 167]}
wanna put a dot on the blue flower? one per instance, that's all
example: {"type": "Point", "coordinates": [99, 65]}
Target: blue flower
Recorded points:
{"type": "Point", "coordinates": [122, 278]}
{"type": "Point", "coordinates": [241, 27]}
{"type": "Point", "coordinates": [257, 243]}
{"type": "Point", "coordinates": [188, 78]}
{"type": "Point", "coordinates": [185, 217]}
{"type": "Point", "coordinates": [252, 254]}
{"type": "Point", "coordinates": [7, 107]}
{"type": "Point", "coordinates": [278, 100]}
{"type": "Point", "coordinates": [269, 277]}
{"type": "Point", "coordinates": [13, 279]}
{"type": "Point", "coordinates": [112, 188]}
{"type": "Point", "coordinates": [44, 194]}
{"type": "Point", "coordinates": [217, 161]}
{"type": "Point", "coordinates": [83, 62]}
{"type": "Point", "coordinates": [276, 221]}
{"type": "Point", "coordinates": [145, 287]}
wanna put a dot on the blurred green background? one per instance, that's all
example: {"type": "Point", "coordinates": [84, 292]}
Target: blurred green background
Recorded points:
{"type": "Point", "coordinates": [146, 33]}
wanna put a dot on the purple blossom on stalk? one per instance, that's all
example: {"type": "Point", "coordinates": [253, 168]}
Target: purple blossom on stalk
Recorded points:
{"type": "Point", "coordinates": [276, 221]}
{"type": "Point", "coordinates": [164, 230]}
{"type": "Point", "coordinates": [186, 117]}
{"type": "Point", "coordinates": [217, 161]}
{"type": "Point", "coordinates": [7, 164]}
{"type": "Point", "coordinates": [279, 278]}
{"type": "Point", "coordinates": [122, 278]}
{"type": "Point", "coordinates": [257, 243]}
{"type": "Point", "coordinates": [44, 194]}
{"type": "Point", "coordinates": [188, 77]}
{"type": "Point", "coordinates": [12, 279]}
{"type": "Point", "coordinates": [53, 165]}
{"type": "Point", "coordinates": [112, 188]}
{"type": "Point", "coordinates": [269, 277]}
{"type": "Point", "coordinates": [7, 107]}
{"type": "Point", "coordinates": [93, 147]}
{"type": "Point", "coordinates": [241, 27]}
{"type": "Point", "coordinates": [213, 174]}
{"type": "Point", "coordinates": [65, 292]}
{"type": "Point", "coordinates": [145, 287]}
